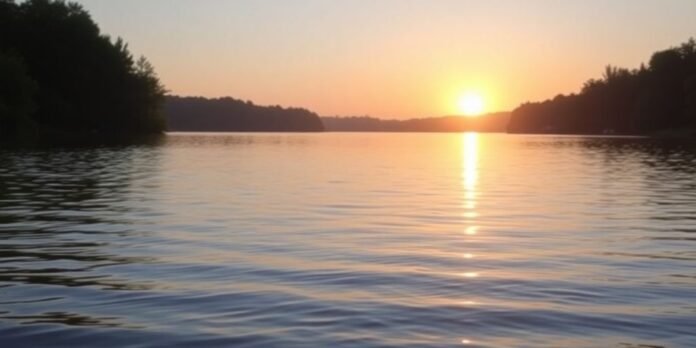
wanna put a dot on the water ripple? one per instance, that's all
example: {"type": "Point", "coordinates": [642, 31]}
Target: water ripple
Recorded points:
{"type": "Point", "coordinates": [350, 240]}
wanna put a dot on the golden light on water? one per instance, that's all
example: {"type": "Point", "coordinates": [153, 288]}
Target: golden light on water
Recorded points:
{"type": "Point", "coordinates": [470, 178]}
{"type": "Point", "coordinates": [470, 152]}
{"type": "Point", "coordinates": [471, 230]}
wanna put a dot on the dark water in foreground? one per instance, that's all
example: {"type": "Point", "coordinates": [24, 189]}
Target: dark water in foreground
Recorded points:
{"type": "Point", "coordinates": [350, 240]}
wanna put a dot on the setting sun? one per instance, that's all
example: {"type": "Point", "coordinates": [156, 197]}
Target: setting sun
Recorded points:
{"type": "Point", "coordinates": [428, 173]}
{"type": "Point", "coordinates": [471, 104]}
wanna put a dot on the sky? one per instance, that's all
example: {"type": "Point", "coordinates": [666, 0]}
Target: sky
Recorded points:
{"type": "Point", "coordinates": [390, 58]}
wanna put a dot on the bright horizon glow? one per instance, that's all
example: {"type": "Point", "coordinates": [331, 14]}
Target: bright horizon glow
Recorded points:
{"type": "Point", "coordinates": [391, 59]}
{"type": "Point", "coordinates": [471, 104]}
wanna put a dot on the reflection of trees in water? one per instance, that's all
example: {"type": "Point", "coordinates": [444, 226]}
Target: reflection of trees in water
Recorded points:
{"type": "Point", "coordinates": [71, 319]}
{"type": "Point", "coordinates": [62, 214]}
{"type": "Point", "coordinates": [663, 154]}
{"type": "Point", "coordinates": [665, 211]}
{"type": "Point", "coordinates": [664, 162]}
{"type": "Point", "coordinates": [665, 167]}
{"type": "Point", "coordinates": [640, 208]}
{"type": "Point", "coordinates": [236, 139]}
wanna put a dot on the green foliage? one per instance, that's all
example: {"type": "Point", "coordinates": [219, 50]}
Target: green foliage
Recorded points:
{"type": "Point", "coordinates": [650, 99]}
{"type": "Point", "coordinates": [87, 83]}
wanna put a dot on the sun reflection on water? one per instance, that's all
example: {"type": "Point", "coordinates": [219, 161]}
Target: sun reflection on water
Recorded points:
{"type": "Point", "coordinates": [470, 177]}
{"type": "Point", "coordinates": [470, 163]}
{"type": "Point", "coordinates": [470, 226]}
{"type": "Point", "coordinates": [471, 230]}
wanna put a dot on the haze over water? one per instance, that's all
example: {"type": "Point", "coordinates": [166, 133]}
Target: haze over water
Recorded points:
{"type": "Point", "coordinates": [351, 240]}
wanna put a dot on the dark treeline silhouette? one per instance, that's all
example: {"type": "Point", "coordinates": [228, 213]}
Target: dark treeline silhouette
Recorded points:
{"type": "Point", "coordinates": [657, 98]}
{"type": "Point", "coordinates": [60, 75]}
{"type": "Point", "coordinates": [495, 122]}
{"type": "Point", "coordinates": [197, 114]}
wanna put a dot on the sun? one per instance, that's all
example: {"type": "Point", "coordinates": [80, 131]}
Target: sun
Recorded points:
{"type": "Point", "coordinates": [471, 104]}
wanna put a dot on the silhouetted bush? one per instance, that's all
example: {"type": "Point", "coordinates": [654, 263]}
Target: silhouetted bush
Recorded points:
{"type": "Point", "coordinates": [86, 83]}
{"type": "Point", "coordinates": [195, 114]}
{"type": "Point", "coordinates": [650, 99]}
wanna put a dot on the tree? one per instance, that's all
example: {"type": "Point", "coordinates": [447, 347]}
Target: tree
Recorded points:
{"type": "Point", "coordinates": [690, 91]}
{"type": "Point", "coordinates": [87, 83]}
{"type": "Point", "coordinates": [16, 96]}
{"type": "Point", "coordinates": [659, 96]}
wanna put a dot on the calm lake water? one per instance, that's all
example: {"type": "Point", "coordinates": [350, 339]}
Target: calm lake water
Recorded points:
{"type": "Point", "coordinates": [350, 240]}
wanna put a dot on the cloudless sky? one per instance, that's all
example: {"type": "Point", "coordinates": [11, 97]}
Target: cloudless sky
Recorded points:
{"type": "Point", "coordinates": [390, 58]}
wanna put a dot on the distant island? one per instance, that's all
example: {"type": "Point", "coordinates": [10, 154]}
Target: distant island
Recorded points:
{"type": "Point", "coordinates": [493, 122]}
{"type": "Point", "coordinates": [197, 114]}
{"type": "Point", "coordinates": [59, 76]}
{"type": "Point", "coordinates": [656, 99]}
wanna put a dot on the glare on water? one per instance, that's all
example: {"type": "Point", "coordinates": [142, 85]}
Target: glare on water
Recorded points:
{"type": "Point", "coordinates": [352, 240]}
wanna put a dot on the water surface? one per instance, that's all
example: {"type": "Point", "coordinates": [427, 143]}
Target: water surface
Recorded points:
{"type": "Point", "coordinates": [350, 240]}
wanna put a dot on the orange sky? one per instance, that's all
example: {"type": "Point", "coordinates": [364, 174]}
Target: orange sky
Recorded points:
{"type": "Point", "coordinates": [390, 58]}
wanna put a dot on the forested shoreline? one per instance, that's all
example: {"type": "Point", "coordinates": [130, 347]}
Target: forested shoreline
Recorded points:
{"type": "Point", "coordinates": [653, 99]}
{"type": "Point", "coordinates": [198, 114]}
{"type": "Point", "coordinates": [62, 77]}
{"type": "Point", "coordinates": [493, 122]}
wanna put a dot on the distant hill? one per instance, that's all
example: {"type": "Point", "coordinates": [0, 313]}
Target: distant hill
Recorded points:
{"type": "Point", "coordinates": [196, 114]}
{"type": "Point", "coordinates": [494, 122]}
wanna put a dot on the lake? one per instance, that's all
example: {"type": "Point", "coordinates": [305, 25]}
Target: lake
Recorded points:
{"type": "Point", "coordinates": [350, 240]}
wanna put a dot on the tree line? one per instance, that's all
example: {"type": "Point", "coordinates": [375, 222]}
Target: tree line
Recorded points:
{"type": "Point", "coordinates": [197, 114]}
{"type": "Point", "coordinates": [60, 74]}
{"type": "Point", "coordinates": [655, 98]}
{"type": "Point", "coordinates": [494, 122]}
